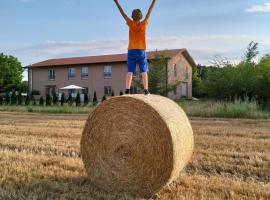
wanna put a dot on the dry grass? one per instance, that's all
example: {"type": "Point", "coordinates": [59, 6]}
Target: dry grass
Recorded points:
{"type": "Point", "coordinates": [40, 159]}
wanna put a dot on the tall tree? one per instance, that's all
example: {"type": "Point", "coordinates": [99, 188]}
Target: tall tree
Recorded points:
{"type": "Point", "coordinates": [78, 99]}
{"type": "Point", "coordinates": [251, 52]}
{"type": "Point", "coordinates": [10, 70]}
{"type": "Point", "coordinates": [95, 101]}
{"type": "Point", "coordinates": [63, 99]}
{"type": "Point", "coordinates": [158, 77]}
{"type": "Point", "coordinates": [55, 99]}
{"type": "Point", "coordinates": [85, 99]}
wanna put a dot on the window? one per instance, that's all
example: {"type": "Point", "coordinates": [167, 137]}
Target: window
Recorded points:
{"type": "Point", "coordinates": [107, 90]}
{"type": "Point", "coordinates": [107, 71]}
{"type": "Point", "coordinates": [51, 74]}
{"type": "Point", "coordinates": [84, 73]}
{"type": "Point", "coordinates": [186, 73]}
{"type": "Point", "coordinates": [174, 70]}
{"type": "Point", "coordinates": [71, 73]}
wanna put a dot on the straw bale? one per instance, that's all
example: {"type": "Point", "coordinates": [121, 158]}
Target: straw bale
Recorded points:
{"type": "Point", "coordinates": [136, 144]}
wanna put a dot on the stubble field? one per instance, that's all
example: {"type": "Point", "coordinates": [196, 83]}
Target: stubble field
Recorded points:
{"type": "Point", "coordinates": [40, 159]}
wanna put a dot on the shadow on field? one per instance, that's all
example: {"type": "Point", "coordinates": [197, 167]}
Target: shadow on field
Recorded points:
{"type": "Point", "coordinates": [79, 188]}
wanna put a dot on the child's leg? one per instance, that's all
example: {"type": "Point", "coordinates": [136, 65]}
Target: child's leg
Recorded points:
{"type": "Point", "coordinates": [144, 70]}
{"type": "Point", "coordinates": [131, 69]}
{"type": "Point", "coordinates": [145, 80]}
{"type": "Point", "coordinates": [129, 79]}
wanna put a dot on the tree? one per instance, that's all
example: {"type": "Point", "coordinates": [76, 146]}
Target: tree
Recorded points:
{"type": "Point", "coordinates": [23, 86]}
{"type": "Point", "coordinates": [13, 98]}
{"type": "Point", "coordinates": [86, 99]}
{"type": "Point", "coordinates": [34, 102]}
{"type": "Point", "coordinates": [19, 98]}
{"type": "Point", "coordinates": [78, 99]}
{"type": "Point", "coordinates": [33, 94]}
{"type": "Point", "coordinates": [262, 80]}
{"type": "Point", "coordinates": [48, 100]}
{"type": "Point", "coordinates": [10, 70]}
{"type": "Point", "coordinates": [55, 99]}
{"type": "Point", "coordinates": [95, 99]}
{"type": "Point", "coordinates": [70, 99]}
{"type": "Point", "coordinates": [104, 98]}
{"type": "Point", "coordinates": [41, 101]}
{"type": "Point", "coordinates": [219, 61]}
{"type": "Point", "coordinates": [197, 84]}
{"type": "Point", "coordinates": [27, 100]}
{"type": "Point", "coordinates": [158, 77]}
{"type": "Point", "coordinates": [1, 100]}
{"type": "Point", "coordinates": [7, 98]}
{"type": "Point", "coordinates": [63, 99]}
{"type": "Point", "coordinates": [252, 52]}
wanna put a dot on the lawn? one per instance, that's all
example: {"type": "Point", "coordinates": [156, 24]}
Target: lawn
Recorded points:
{"type": "Point", "coordinates": [40, 159]}
{"type": "Point", "coordinates": [204, 108]}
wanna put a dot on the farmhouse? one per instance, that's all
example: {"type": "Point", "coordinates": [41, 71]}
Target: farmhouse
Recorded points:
{"type": "Point", "coordinates": [105, 73]}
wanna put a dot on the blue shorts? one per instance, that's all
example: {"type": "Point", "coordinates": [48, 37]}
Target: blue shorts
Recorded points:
{"type": "Point", "coordinates": [137, 56]}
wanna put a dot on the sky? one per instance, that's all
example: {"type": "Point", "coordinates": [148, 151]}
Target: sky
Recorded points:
{"type": "Point", "coordinates": [36, 30]}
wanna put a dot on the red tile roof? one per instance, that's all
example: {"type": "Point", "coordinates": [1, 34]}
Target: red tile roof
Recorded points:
{"type": "Point", "coordinates": [107, 58]}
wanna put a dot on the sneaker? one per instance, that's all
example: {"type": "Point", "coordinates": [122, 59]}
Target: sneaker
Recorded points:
{"type": "Point", "coordinates": [146, 92]}
{"type": "Point", "coordinates": [127, 91]}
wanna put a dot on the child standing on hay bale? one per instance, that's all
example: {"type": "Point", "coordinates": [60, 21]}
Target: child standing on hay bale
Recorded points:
{"type": "Point", "coordinates": [137, 45]}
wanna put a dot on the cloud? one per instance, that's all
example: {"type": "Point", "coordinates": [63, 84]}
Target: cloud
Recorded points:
{"type": "Point", "coordinates": [26, 1]}
{"type": "Point", "coordinates": [262, 8]}
{"type": "Point", "coordinates": [203, 48]}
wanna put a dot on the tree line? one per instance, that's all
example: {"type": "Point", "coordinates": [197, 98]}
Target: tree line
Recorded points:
{"type": "Point", "coordinates": [16, 98]}
{"type": "Point", "coordinates": [248, 80]}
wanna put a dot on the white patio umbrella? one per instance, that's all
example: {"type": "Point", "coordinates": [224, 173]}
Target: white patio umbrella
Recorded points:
{"type": "Point", "coordinates": [72, 87]}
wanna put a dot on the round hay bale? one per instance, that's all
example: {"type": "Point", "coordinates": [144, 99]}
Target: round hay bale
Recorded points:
{"type": "Point", "coordinates": [136, 144]}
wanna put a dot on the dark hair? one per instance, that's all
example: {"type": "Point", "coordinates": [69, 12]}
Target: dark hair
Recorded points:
{"type": "Point", "coordinates": [137, 14]}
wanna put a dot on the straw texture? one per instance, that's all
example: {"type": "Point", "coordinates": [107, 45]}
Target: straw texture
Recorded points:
{"type": "Point", "coordinates": [136, 144]}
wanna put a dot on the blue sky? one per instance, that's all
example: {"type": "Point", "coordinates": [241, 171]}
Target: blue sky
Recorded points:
{"type": "Point", "coordinates": [35, 30]}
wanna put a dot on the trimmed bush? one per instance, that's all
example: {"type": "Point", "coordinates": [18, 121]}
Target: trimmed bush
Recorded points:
{"type": "Point", "coordinates": [34, 102]}
{"type": "Point", "coordinates": [62, 99]}
{"type": "Point", "coordinates": [104, 98]}
{"type": "Point", "coordinates": [55, 99]}
{"type": "Point", "coordinates": [19, 98]}
{"type": "Point", "coordinates": [86, 99]}
{"type": "Point", "coordinates": [7, 99]}
{"type": "Point", "coordinates": [78, 99]}
{"type": "Point", "coordinates": [27, 100]}
{"type": "Point", "coordinates": [95, 99]}
{"type": "Point", "coordinates": [70, 100]}
{"type": "Point", "coordinates": [1, 100]}
{"type": "Point", "coordinates": [41, 101]}
{"type": "Point", "coordinates": [48, 100]}
{"type": "Point", "coordinates": [121, 93]}
{"type": "Point", "coordinates": [112, 93]}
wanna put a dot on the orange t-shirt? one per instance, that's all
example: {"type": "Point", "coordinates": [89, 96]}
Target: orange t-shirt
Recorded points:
{"type": "Point", "coordinates": [137, 34]}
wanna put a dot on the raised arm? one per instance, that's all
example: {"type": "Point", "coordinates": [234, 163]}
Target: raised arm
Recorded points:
{"type": "Point", "coordinates": [150, 10]}
{"type": "Point", "coordinates": [121, 10]}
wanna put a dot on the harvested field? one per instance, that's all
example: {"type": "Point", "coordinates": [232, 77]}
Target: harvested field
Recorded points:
{"type": "Point", "coordinates": [40, 159]}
